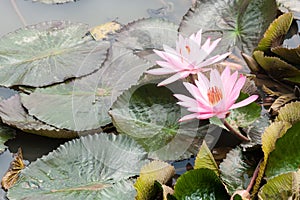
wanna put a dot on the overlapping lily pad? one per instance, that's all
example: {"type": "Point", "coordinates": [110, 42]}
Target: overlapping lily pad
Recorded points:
{"type": "Point", "coordinates": [240, 23]}
{"type": "Point", "coordinates": [6, 133]}
{"type": "Point", "coordinates": [82, 104]}
{"type": "Point", "coordinates": [48, 53]}
{"type": "Point", "coordinates": [91, 167]}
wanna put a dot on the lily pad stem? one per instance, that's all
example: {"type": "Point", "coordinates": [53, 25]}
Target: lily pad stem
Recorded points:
{"type": "Point", "coordinates": [255, 174]}
{"type": "Point", "coordinates": [237, 134]}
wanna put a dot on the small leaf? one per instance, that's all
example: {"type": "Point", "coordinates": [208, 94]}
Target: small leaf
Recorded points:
{"type": "Point", "coordinates": [200, 184]}
{"type": "Point", "coordinates": [274, 35]}
{"type": "Point", "coordinates": [205, 159]}
{"type": "Point", "coordinates": [239, 23]}
{"type": "Point", "coordinates": [154, 171]}
{"type": "Point", "coordinates": [289, 113]}
{"type": "Point", "coordinates": [271, 134]}
{"type": "Point", "coordinates": [235, 172]}
{"type": "Point", "coordinates": [49, 52]}
{"type": "Point", "coordinates": [92, 167]}
{"type": "Point", "coordinates": [102, 31]}
{"type": "Point", "coordinates": [281, 187]}
{"type": "Point", "coordinates": [12, 174]}
{"type": "Point", "coordinates": [286, 155]}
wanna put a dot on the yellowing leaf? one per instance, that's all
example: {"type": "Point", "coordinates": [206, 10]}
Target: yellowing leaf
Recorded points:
{"type": "Point", "coordinates": [205, 159]}
{"type": "Point", "coordinates": [100, 32]}
{"type": "Point", "coordinates": [12, 174]}
{"type": "Point", "coordinates": [155, 171]}
{"type": "Point", "coordinates": [289, 113]}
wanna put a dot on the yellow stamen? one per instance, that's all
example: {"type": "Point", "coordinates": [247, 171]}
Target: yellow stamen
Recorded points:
{"type": "Point", "coordinates": [214, 95]}
{"type": "Point", "coordinates": [188, 49]}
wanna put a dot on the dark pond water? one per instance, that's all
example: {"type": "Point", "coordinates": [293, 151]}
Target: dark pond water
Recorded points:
{"type": "Point", "coordinates": [91, 12]}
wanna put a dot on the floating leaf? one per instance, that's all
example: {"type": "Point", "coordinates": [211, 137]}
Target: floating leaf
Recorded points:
{"type": "Point", "coordinates": [235, 172]}
{"type": "Point", "coordinates": [240, 23]}
{"type": "Point", "coordinates": [6, 133]}
{"type": "Point", "coordinates": [281, 101]}
{"type": "Point", "coordinates": [12, 113]}
{"type": "Point", "coordinates": [281, 187]}
{"type": "Point", "coordinates": [13, 173]}
{"type": "Point", "coordinates": [274, 35]}
{"type": "Point", "coordinates": [93, 167]}
{"type": "Point", "coordinates": [82, 104]}
{"type": "Point", "coordinates": [200, 184]}
{"type": "Point", "coordinates": [271, 134]}
{"type": "Point", "coordinates": [48, 53]}
{"type": "Point", "coordinates": [102, 31]}
{"type": "Point", "coordinates": [289, 113]}
{"type": "Point", "coordinates": [154, 171]}
{"type": "Point", "coordinates": [290, 55]}
{"type": "Point", "coordinates": [150, 115]}
{"type": "Point", "coordinates": [205, 159]}
{"type": "Point", "coordinates": [275, 68]}
{"type": "Point", "coordinates": [286, 155]}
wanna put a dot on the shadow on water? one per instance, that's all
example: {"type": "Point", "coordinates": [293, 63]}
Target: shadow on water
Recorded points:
{"type": "Point", "coordinates": [91, 12]}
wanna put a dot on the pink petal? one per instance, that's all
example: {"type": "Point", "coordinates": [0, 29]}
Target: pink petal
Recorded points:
{"type": "Point", "coordinates": [236, 90]}
{"type": "Point", "coordinates": [189, 117]}
{"type": "Point", "coordinates": [205, 116]}
{"type": "Point", "coordinates": [186, 101]}
{"type": "Point", "coordinates": [160, 71]}
{"type": "Point", "coordinates": [213, 60]}
{"type": "Point", "coordinates": [244, 102]}
{"type": "Point", "coordinates": [175, 77]}
{"type": "Point", "coordinates": [213, 45]}
{"type": "Point", "coordinates": [196, 93]}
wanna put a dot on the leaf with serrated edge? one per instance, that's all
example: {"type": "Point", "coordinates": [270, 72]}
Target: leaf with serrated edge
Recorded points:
{"type": "Point", "coordinates": [92, 167]}
{"type": "Point", "coordinates": [289, 113]}
{"type": "Point", "coordinates": [205, 159]}
{"type": "Point", "coordinates": [154, 171]}
{"type": "Point", "coordinates": [49, 52]}
{"type": "Point", "coordinates": [239, 23]}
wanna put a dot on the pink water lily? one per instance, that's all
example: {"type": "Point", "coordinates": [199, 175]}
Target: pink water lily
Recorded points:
{"type": "Point", "coordinates": [188, 58]}
{"type": "Point", "coordinates": [214, 97]}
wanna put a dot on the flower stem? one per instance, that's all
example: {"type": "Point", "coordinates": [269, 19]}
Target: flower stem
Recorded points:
{"type": "Point", "coordinates": [255, 174]}
{"type": "Point", "coordinates": [237, 134]}
{"type": "Point", "coordinates": [13, 3]}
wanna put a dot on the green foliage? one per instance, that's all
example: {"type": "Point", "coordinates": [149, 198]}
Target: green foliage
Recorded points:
{"type": "Point", "coordinates": [95, 166]}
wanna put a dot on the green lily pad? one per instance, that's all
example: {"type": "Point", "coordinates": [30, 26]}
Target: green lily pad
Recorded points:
{"type": "Point", "coordinates": [240, 23]}
{"type": "Point", "coordinates": [286, 155]}
{"type": "Point", "coordinates": [235, 172]}
{"type": "Point", "coordinates": [13, 114]}
{"type": "Point", "coordinates": [200, 184]}
{"type": "Point", "coordinates": [289, 113]}
{"type": "Point", "coordinates": [290, 55]}
{"type": "Point", "coordinates": [91, 167]}
{"type": "Point", "coordinates": [155, 171]}
{"type": "Point", "coordinates": [83, 104]}
{"type": "Point", "coordinates": [276, 32]}
{"type": "Point", "coordinates": [49, 52]}
{"type": "Point", "coordinates": [6, 133]}
{"type": "Point", "coordinates": [281, 187]}
{"type": "Point", "coordinates": [275, 67]}
{"type": "Point", "coordinates": [205, 159]}
{"type": "Point", "coordinates": [150, 115]}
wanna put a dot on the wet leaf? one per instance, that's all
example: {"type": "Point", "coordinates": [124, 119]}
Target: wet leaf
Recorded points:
{"type": "Point", "coordinates": [275, 33]}
{"type": "Point", "coordinates": [275, 67]}
{"type": "Point", "coordinates": [270, 136]}
{"type": "Point", "coordinates": [102, 31]}
{"type": "Point", "coordinates": [281, 187]}
{"type": "Point", "coordinates": [48, 53]}
{"type": "Point", "coordinates": [205, 159]}
{"type": "Point", "coordinates": [150, 115]}
{"type": "Point", "coordinates": [13, 173]}
{"type": "Point", "coordinates": [91, 167]}
{"type": "Point", "coordinates": [13, 113]}
{"type": "Point", "coordinates": [286, 155]}
{"type": "Point", "coordinates": [83, 104]}
{"type": "Point", "coordinates": [6, 133]}
{"type": "Point", "coordinates": [200, 184]}
{"type": "Point", "coordinates": [235, 172]}
{"type": "Point", "coordinates": [240, 23]}
{"type": "Point", "coordinates": [289, 113]}
{"type": "Point", "coordinates": [156, 170]}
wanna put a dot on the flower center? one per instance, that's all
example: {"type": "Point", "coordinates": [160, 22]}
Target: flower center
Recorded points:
{"type": "Point", "coordinates": [214, 95]}
{"type": "Point", "coordinates": [188, 49]}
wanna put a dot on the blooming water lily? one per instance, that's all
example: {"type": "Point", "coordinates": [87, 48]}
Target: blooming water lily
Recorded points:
{"type": "Point", "coordinates": [188, 58]}
{"type": "Point", "coordinates": [214, 97]}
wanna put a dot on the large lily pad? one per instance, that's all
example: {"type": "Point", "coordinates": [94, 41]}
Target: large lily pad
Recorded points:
{"type": "Point", "coordinates": [150, 115]}
{"type": "Point", "coordinates": [91, 167]}
{"type": "Point", "coordinates": [48, 53]}
{"type": "Point", "coordinates": [83, 104]}
{"type": "Point", "coordinates": [13, 113]}
{"type": "Point", "coordinates": [240, 23]}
